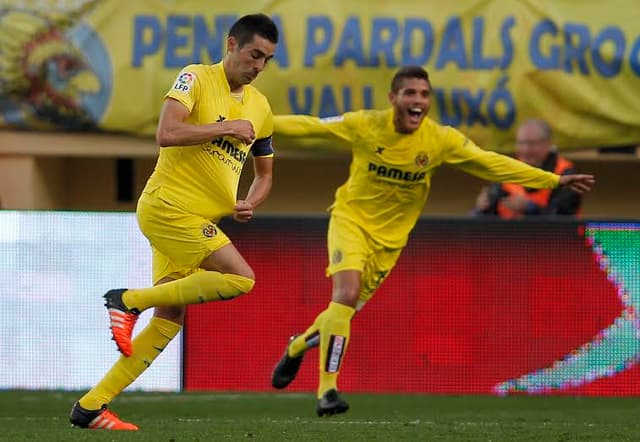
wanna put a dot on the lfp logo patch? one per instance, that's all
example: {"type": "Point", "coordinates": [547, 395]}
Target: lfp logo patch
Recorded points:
{"type": "Point", "coordinates": [184, 81]}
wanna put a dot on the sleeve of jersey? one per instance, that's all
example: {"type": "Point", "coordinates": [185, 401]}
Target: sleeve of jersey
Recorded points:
{"type": "Point", "coordinates": [305, 126]}
{"type": "Point", "coordinates": [186, 87]}
{"type": "Point", "coordinates": [492, 166]}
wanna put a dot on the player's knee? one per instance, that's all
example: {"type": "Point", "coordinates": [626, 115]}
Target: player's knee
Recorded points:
{"type": "Point", "coordinates": [170, 313]}
{"type": "Point", "coordinates": [242, 284]}
{"type": "Point", "coordinates": [346, 295]}
{"type": "Point", "coordinates": [248, 273]}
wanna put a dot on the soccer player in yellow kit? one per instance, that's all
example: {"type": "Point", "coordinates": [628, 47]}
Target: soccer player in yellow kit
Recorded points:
{"type": "Point", "coordinates": [394, 154]}
{"type": "Point", "coordinates": [210, 120]}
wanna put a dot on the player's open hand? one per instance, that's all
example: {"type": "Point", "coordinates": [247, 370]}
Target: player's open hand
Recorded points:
{"type": "Point", "coordinates": [243, 211]}
{"type": "Point", "coordinates": [579, 183]}
{"type": "Point", "coordinates": [242, 130]}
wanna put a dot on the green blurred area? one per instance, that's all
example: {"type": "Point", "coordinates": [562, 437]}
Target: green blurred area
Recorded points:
{"type": "Point", "coordinates": [43, 415]}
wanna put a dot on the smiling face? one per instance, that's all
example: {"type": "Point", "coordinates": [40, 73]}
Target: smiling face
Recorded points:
{"type": "Point", "coordinates": [243, 63]}
{"type": "Point", "coordinates": [411, 102]}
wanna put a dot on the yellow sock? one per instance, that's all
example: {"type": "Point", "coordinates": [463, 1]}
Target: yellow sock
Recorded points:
{"type": "Point", "coordinates": [146, 347]}
{"type": "Point", "coordinates": [195, 288]}
{"type": "Point", "coordinates": [306, 340]}
{"type": "Point", "coordinates": [335, 327]}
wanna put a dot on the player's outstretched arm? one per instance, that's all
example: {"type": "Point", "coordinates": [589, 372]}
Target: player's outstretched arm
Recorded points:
{"type": "Point", "coordinates": [579, 183]}
{"type": "Point", "coordinates": [306, 126]}
{"type": "Point", "coordinates": [299, 126]}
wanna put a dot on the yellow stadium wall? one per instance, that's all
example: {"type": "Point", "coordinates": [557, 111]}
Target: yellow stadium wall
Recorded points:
{"type": "Point", "coordinates": [74, 173]}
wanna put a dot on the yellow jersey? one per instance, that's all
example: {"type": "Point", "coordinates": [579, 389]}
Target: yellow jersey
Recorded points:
{"type": "Point", "coordinates": [390, 172]}
{"type": "Point", "coordinates": [203, 179]}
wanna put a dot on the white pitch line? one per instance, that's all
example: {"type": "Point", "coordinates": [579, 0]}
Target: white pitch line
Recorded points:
{"type": "Point", "coordinates": [325, 422]}
{"type": "Point", "coordinates": [29, 418]}
{"type": "Point", "coordinates": [305, 421]}
{"type": "Point", "coordinates": [335, 422]}
{"type": "Point", "coordinates": [213, 397]}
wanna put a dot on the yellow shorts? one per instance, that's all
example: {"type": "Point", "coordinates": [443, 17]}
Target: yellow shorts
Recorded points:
{"type": "Point", "coordinates": [180, 241]}
{"type": "Point", "coordinates": [351, 248]}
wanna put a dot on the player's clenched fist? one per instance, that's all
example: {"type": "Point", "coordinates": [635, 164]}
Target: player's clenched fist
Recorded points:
{"type": "Point", "coordinates": [242, 130]}
{"type": "Point", "coordinates": [243, 211]}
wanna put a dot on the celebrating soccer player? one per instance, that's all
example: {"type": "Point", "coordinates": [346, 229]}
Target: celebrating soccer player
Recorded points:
{"type": "Point", "coordinates": [394, 154]}
{"type": "Point", "coordinates": [210, 120]}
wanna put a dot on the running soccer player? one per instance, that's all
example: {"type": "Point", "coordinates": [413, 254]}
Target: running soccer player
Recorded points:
{"type": "Point", "coordinates": [394, 154]}
{"type": "Point", "coordinates": [210, 120]}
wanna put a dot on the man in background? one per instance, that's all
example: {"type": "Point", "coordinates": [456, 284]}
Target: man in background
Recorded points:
{"type": "Point", "coordinates": [534, 146]}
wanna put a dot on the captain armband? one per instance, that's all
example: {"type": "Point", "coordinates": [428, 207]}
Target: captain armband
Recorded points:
{"type": "Point", "coordinates": [262, 147]}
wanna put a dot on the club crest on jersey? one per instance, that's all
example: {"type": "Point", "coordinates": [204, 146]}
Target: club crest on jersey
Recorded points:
{"type": "Point", "coordinates": [422, 159]}
{"type": "Point", "coordinates": [209, 230]}
{"type": "Point", "coordinates": [184, 82]}
{"type": "Point", "coordinates": [337, 257]}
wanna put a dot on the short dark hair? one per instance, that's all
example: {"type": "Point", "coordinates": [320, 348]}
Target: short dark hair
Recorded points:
{"type": "Point", "coordinates": [247, 26]}
{"type": "Point", "coordinates": [408, 72]}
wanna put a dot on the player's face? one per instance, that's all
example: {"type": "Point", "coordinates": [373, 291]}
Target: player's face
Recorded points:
{"type": "Point", "coordinates": [244, 63]}
{"type": "Point", "coordinates": [411, 104]}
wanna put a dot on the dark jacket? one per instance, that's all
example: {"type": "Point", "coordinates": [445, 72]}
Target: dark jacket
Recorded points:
{"type": "Point", "coordinates": [558, 201]}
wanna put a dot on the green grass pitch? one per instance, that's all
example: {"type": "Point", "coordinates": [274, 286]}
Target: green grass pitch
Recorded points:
{"type": "Point", "coordinates": [43, 416]}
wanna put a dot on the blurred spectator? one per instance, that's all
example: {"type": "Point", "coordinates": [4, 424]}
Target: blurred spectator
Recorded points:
{"type": "Point", "coordinates": [535, 147]}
